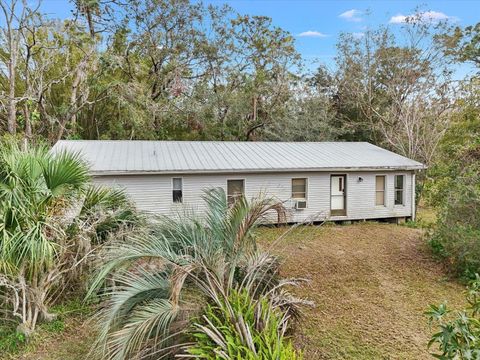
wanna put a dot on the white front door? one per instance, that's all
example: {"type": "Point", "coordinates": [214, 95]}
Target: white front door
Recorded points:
{"type": "Point", "coordinates": [337, 192]}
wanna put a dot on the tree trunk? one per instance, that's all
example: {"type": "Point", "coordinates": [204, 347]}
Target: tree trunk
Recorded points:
{"type": "Point", "coordinates": [28, 124]}
{"type": "Point", "coordinates": [71, 116]}
{"type": "Point", "coordinates": [12, 105]}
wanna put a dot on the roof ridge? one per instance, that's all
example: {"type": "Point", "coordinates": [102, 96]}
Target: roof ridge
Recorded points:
{"type": "Point", "coordinates": [217, 141]}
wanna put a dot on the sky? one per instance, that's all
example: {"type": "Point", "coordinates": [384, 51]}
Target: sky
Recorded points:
{"type": "Point", "coordinates": [316, 24]}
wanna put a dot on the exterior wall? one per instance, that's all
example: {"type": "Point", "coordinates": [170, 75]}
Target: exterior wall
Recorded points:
{"type": "Point", "coordinates": [153, 193]}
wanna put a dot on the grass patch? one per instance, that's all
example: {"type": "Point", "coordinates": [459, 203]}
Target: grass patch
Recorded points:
{"type": "Point", "coordinates": [55, 326]}
{"type": "Point", "coordinates": [68, 337]}
{"type": "Point", "coordinates": [426, 215]}
{"type": "Point", "coordinates": [425, 219]}
{"type": "Point", "coordinates": [371, 283]}
{"type": "Point", "coordinates": [11, 342]}
{"type": "Point", "coordinates": [345, 344]}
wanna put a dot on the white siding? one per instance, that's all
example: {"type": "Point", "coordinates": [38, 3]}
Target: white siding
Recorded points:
{"type": "Point", "coordinates": [153, 193]}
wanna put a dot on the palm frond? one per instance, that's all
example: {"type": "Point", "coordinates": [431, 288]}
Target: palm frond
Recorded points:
{"type": "Point", "coordinates": [146, 331]}
{"type": "Point", "coordinates": [130, 290]}
{"type": "Point", "coordinates": [107, 210]}
{"type": "Point", "coordinates": [64, 171]}
{"type": "Point", "coordinates": [105, 197]}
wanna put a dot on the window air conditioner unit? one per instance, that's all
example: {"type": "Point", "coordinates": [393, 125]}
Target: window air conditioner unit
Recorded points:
{"type": "Point", "coordinates": [301, 204]}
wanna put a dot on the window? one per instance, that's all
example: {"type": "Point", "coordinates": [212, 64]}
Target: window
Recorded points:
{"type": "Point", "coordinates": [399, 185]}
{"type": "Point", "coordinates": [299, 188]}
{"type": "Point", "coordinates": [177, 190]}
{"type": "Point", "coordinates": [380, 190]}
{"type": "Point", "coordinates": [235, 189]}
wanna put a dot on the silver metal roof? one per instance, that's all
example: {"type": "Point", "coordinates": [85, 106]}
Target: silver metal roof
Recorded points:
{"type": "Point", "coordinates": [132, 157]}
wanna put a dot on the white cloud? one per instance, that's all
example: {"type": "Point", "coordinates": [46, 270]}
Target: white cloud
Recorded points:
{"type": "Point", "coordinates": [398, 19]}
{"type": "Point", "coordinates": [311, 33]}
{"type": "Point", "coordinates": [358, 35]}
{"type": "Point", "coordinates": [351, 15]}
{"type": "Point", "coordinates": [426, 16]}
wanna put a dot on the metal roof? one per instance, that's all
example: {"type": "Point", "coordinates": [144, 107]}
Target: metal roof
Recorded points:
{"type": "Point", "coordinates": [132, 157]}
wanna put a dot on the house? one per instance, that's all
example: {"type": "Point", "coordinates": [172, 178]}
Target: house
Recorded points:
{"type": "Point", "coordinates": [314, 180]}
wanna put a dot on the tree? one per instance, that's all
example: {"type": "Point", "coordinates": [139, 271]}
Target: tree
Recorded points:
{"type": "Point", "coordinates": [84, 44]}
{"type": "Point", "coordinates": [170, 273]}
{"type": "Point", "coordinates": [15, 22]}
{"type": "Point", "coordinates": [186, 71]}
{"type": "Point", "coordinates": [310, 115]}
{"type": "Point", "coordinates": [268, 57]}
{"type": "Point", "coordinates": [176, 69]}
{"type": "Point", "coordinates": [453, 187]}
{"type": "Point", "coordinates": [38, 52]}
{"type": "Point", "coordinates": [401, 93]}
{"type": "Point", "coordinates": [50, 220]}
{"type": "Point", "coordinates": [453, 183]}
{"type": "Point", "coordinates": [462, 44]}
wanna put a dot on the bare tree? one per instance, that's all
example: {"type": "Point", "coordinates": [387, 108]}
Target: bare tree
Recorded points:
{"type": "Point", "coordinates": [87, 46]}
{"type": "Point", "coordinates": [15, 15]}
{"type": "Point", "coordinates": [403, 90]}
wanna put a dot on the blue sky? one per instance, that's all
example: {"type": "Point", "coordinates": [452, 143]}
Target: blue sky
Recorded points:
{"type": "Point", "coordinates": [316, 24]}
{"type": "Point", "coordinates": [321, 22]}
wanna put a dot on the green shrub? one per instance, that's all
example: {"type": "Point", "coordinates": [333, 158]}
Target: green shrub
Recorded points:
{"type": "Point", "coordinates": [454, 189]}
{"type": "Point", "coordinates": [456, 236]}
{"type": "Point", "coordinates": [414, 224]}
{"type": "Point", "coordinates": [242, 328]}
{"type": "Point", "coordinates": [459, 332]}
{"type": "Point", "coordinates": [74, 305]}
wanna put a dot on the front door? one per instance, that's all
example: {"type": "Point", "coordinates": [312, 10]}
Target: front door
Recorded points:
{"type": "Point", "coordinates": [338, 195]}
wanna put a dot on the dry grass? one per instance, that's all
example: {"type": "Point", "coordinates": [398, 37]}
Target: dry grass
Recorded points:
{"type": "Point", "coordinates": [426, 216]}
{"type": "Point", "coordinates": [371, 284]}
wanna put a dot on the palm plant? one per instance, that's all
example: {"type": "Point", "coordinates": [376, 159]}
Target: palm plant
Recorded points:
{"type": "Point", "coordinates": [159, 280]}
{"type": "Point", "coordinates": [242, 327]}
{"type": "Point", "coordinates": [458, 335]}
{"type": "Point", "coordinates": [49, 211]}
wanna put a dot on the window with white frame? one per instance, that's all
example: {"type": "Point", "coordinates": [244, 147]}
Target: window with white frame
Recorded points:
{"type": "Point", "coordinates": [380, 190]}
{"type": "Point", "coordinates": [399, 189]}
{"type": "Point", "coordinates": [177, 190]}
{"type": "Point", "coordinates": [299, 188]}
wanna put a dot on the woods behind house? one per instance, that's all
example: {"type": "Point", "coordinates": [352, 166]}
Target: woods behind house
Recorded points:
{"type": "Point", "coordinates": [171, 69]}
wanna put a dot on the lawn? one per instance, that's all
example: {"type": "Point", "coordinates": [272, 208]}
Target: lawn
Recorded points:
{"type": "Point", "coordinates": [370, 282]}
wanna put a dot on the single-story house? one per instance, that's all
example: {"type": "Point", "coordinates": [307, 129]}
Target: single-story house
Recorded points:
{"type": "Point", "coordinates": [314, 180]}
